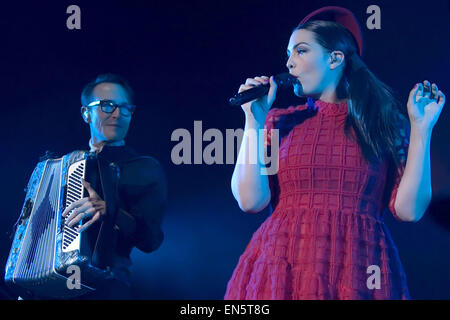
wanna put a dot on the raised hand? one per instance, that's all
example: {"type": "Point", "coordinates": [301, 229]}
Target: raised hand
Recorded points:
{"type": "Point", "coordinates": [425, 104]}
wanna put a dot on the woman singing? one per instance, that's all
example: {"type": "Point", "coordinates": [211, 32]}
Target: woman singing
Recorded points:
{"type": "Point", "coordinates": [344, 157]}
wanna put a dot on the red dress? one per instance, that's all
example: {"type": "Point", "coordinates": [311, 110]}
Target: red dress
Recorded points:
{"type": "Point", "coordinates": [327, 227]}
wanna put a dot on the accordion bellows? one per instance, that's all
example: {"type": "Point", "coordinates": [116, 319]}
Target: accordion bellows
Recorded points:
{"type": "Point", "coordinates": [44, 247]}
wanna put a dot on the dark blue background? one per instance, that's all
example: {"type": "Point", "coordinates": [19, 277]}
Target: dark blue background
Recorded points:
{"type": "Point", "coordinates": [184, 60]}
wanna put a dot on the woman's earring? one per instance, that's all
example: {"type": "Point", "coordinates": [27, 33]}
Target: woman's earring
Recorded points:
{"type": "Point", "coordinates": [333, 59]}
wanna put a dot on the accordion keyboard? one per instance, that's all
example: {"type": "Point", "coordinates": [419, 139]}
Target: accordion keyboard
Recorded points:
{"type": "Point", "coordinates": [74, 192]}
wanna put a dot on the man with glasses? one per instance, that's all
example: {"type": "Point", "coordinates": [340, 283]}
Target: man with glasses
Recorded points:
{"type": "Point", "coordinates": [142, 193]}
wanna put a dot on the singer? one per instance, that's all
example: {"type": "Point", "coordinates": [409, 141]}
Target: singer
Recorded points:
{"type": "Point", "coordinates": [346, 156]}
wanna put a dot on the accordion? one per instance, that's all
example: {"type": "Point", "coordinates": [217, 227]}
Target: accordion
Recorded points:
{"type": "Point", "coordinates": [49, 259]}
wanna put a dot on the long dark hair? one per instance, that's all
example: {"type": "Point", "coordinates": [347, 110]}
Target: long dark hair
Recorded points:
{"type": "Point", "coordinates": [373, 110]}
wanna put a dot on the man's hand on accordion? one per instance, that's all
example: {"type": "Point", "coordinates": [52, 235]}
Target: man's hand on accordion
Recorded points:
{"type": "Point", "coordinates": [92, 206]}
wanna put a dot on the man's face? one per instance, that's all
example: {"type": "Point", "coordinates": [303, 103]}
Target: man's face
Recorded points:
{"type": "Point", "coordinates": [109, 127]}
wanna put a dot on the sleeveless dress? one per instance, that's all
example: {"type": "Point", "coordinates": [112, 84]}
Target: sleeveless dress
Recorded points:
{"type": "Point", "coordinates": [326, 238]}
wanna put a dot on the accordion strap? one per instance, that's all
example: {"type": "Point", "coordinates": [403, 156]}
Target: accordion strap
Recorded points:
{"type": "Point", "coordinates": [103, 253]}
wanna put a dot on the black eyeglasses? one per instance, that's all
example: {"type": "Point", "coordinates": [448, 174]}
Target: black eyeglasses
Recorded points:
{"type": "Point", "coordinates": [109, 106]}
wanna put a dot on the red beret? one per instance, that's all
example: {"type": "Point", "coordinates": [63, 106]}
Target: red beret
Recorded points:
{"type": "Point", "coordinates": [342, 16]}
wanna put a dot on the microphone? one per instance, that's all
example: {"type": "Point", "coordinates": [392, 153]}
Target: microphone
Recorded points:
{"type": "Point", "coordinates": [283, 80]}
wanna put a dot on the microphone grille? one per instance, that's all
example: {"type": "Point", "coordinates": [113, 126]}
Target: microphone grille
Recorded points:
{"type": "Point", "coordinates": [285, 80]}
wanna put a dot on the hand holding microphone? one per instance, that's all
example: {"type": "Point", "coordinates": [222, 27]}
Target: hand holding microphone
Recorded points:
{"type": "Point", "coordinates": [257, 95]}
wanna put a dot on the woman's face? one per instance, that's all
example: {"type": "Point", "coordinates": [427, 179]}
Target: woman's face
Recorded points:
{"type": "Point", "coordinates": [308, 62]}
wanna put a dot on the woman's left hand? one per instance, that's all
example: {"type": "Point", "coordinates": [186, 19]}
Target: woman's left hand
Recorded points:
{"type": "Point", "coordinates": [425, 104]}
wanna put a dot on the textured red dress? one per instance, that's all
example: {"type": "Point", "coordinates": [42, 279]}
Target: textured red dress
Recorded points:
{"type": "Point", "coordinates": [327, 227]}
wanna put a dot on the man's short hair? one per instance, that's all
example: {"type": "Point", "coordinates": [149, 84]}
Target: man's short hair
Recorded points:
{"type": "Point", "coordinates": [110, 78]}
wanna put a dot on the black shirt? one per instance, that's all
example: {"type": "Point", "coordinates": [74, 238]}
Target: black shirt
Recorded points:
{"type": "Point", "coordinates": [142, 198]}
